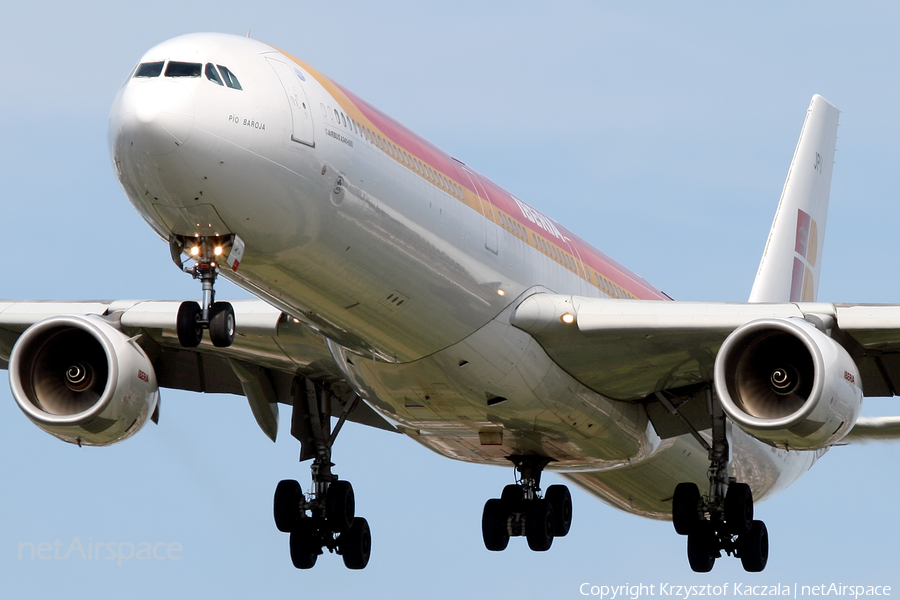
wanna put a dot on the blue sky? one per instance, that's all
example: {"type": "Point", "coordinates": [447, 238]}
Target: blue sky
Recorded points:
{"type": "Point", "coordinates": [660, 134]}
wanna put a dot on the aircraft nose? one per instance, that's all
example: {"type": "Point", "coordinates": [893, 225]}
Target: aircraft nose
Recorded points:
{"type": "Point", "coordinates": [154, 116]}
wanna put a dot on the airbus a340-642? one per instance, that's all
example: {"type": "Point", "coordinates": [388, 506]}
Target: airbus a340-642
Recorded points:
{"type": "Point", "coordinates": [399, 288]}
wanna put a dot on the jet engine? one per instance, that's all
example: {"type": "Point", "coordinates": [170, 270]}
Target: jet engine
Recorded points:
{"type": "Point", "coordinates": [82, 380]}
{"type": "Point", "coordinates": [788, 384]}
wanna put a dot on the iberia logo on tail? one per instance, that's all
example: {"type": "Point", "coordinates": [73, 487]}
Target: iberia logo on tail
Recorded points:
{"type": "Point", "coordinates": [803, 282]}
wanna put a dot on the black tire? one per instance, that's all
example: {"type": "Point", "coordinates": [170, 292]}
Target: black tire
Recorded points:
{"type": "Point", "coordinates": [561, 504]}
{"type": "Point", "coordinates": [188, 327]}
{"type": "Point", "coordinates": [754, 547]}
{"type": "Point", "coordinates": [739, 508]}
{"type": "Point", "coordinates": [304, 550]}
{"type": "Point", "coordinates": [356, 544]}
{"type": "Point", "coordinates": [287, 504]}
{"type": "Point", "coordinates": [700, 548]}
{"type": "Point", "coordinates": [340, 506]}
{"type": "Point", "coordinates": [539, 525]}
{"type": "Point", "coordinates": [221, 324]}
{"type": "Point", "coordinates": [513, 495]}
{"type": "Point", "coordinates": [495, 525]}
{"type": "Point", "coordinates": [686, 508]}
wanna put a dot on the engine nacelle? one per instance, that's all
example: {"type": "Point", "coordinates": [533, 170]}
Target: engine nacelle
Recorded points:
{"type": "Point", "coordinates": [81, 380]}
{"type": "Point", "coordinates": [788, 384]}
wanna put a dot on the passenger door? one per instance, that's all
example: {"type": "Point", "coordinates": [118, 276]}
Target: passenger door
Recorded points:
{"type": "Point", "coordinates": [301, 112]}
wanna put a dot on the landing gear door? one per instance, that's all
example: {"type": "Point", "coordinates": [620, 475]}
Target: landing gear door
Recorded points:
{"type": "Point", "coordinates": [301, 111]}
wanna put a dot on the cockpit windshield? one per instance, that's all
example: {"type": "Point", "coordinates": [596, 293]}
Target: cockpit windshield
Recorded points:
{"type": "Point", "coordinates": [216, 73]}
{"type": "Point", "coordinates": [183, 69]}
{"type": "Point", "coordinates": [150, 69]}
{"type": "Point", "coordinates": [230, 80]}
{"type": "Point", "coordinates": [212, 74]}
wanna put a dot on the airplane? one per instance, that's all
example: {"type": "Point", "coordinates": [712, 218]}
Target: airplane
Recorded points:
{"type": "Point", "coordinates": [401, 289]}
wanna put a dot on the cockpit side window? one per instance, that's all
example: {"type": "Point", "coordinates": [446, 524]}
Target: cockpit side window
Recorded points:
{"type": "Point", "coordinates": [212, 74]}
{"type": "Point", "coordinates": [183, 69]}
{"type": "Point", "coordinates": [150, 69]}
{"type": "Point", "coordinates": [230, 80]}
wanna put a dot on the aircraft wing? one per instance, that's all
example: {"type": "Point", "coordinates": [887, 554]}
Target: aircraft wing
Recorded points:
{"type": "Point", "coordinates": [630, 349]}
{"type": "Point", "coordinates": [270, 349]}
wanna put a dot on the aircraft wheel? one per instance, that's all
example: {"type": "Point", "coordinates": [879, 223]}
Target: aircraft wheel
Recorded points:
{"type": "Point", "coordinates": [287, 494]}
{"type": "Point", "coordinates": [539, 525]}
{"type": "Point", "coordinates": [340, 506]}
{"type": "Point", "coordinates": [685, 508]}
{"type": "Point", "coordinates": [494, 525]}
{"type": "Point", "coordinates": [513, 495]}
{"type": "Point", "coordinates": [356, 544]}
{"type": "Point", "coordinates": [754, 547]}
{"type": "Point", "coordinates": [303, 548]}
{"type": "Point", "coordinates": [561, 505]}
{"type": "Point", "coordinates": [701, 553]}
{"type": "Point", "coordinates": [188, 327]}
{"type": "Point", "coordinates": [221, 324]}
{"type": "Point", "coordinates": [739, 508]}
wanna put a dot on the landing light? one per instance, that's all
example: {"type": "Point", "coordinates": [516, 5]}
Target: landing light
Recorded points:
{"type": "Point", "coordinates": [567, 318]}
{"type": "Point", "coordinates": [195, 250]}
{"type": "Point", "coordinates": [501, 293]}
{"type": "Point", "coordinates": [217, 251]}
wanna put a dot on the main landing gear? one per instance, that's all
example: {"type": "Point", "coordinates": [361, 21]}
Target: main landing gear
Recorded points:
{"type": "Point", "coordinates": [217, 317]}
{"type": "Point", "coordinates": [722, 520]}
{"type": "Point", "coordinates": [326, 518]}
{"type": "Point", "coordinates": [521, 511]}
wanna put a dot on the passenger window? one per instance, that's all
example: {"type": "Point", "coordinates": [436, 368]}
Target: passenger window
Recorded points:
{"type": "Point", "coordinates": [324, 111]}
{"type": "Point", "coordinates": [183, 69]}
{"type": "Point", "coordinates": [151, 69]}
{"type": "Point", "coordinates": [230, 79]}
{"type": "Point", "coordinates": [337, 116]}
{"type": "Point", "coordinates": [344, 119]}
{"type": "Point", "coordinates": [212, 74]}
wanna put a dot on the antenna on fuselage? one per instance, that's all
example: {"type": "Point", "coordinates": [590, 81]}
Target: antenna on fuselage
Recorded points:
{"type": "Point", "coordinates": [248, 32]}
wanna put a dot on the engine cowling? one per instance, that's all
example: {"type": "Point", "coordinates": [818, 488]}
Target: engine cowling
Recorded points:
{"type": "Point", "coordinates": [83, 381]}
{"type": "Point", "coordinates": [788, 384]}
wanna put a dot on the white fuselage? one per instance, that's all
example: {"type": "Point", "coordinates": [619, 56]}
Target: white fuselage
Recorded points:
{"type": "Point", "coordinates": [408, 260]}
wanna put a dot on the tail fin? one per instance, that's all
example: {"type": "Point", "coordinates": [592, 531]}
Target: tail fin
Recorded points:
{"type": "Point", "coordinates": [790, 265]}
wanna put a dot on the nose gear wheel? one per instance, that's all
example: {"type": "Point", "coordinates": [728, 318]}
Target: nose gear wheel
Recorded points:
{"type": "Point", "coordinates": [193, 318]}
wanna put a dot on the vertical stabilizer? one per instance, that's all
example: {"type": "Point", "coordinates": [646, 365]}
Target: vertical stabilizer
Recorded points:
{"type": "Point", "coordinates": [790, 265]}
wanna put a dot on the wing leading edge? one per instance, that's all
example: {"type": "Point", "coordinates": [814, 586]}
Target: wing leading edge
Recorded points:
{"type": "Point", "coordinates": [631, 349]}
{"type": "Point", "coordinates": [269, 351]}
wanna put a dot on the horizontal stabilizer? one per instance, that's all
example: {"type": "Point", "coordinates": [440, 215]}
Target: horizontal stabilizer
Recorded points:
{"type": "Point", "coordinates": [873, 429]}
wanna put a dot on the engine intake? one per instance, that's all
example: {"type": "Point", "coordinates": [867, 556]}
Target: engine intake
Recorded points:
{"type": "Point", "coordinates": [788, 384]}
{"type": "Point", "coordinates": [81, 380]}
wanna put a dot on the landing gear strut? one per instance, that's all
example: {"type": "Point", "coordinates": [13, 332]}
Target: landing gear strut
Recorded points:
{"type": "Point", "coordinates": [723, 519]}
{"type": "Point", "coordinates": [325, 518]}
{"type": "Point", "coordinates": [521, 511]}
{"type": "Point", "coordinates": [193, 318]}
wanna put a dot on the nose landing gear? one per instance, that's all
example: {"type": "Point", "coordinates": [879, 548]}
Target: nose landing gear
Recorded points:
{"type": "Point", "coordinates": [217, 317]}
